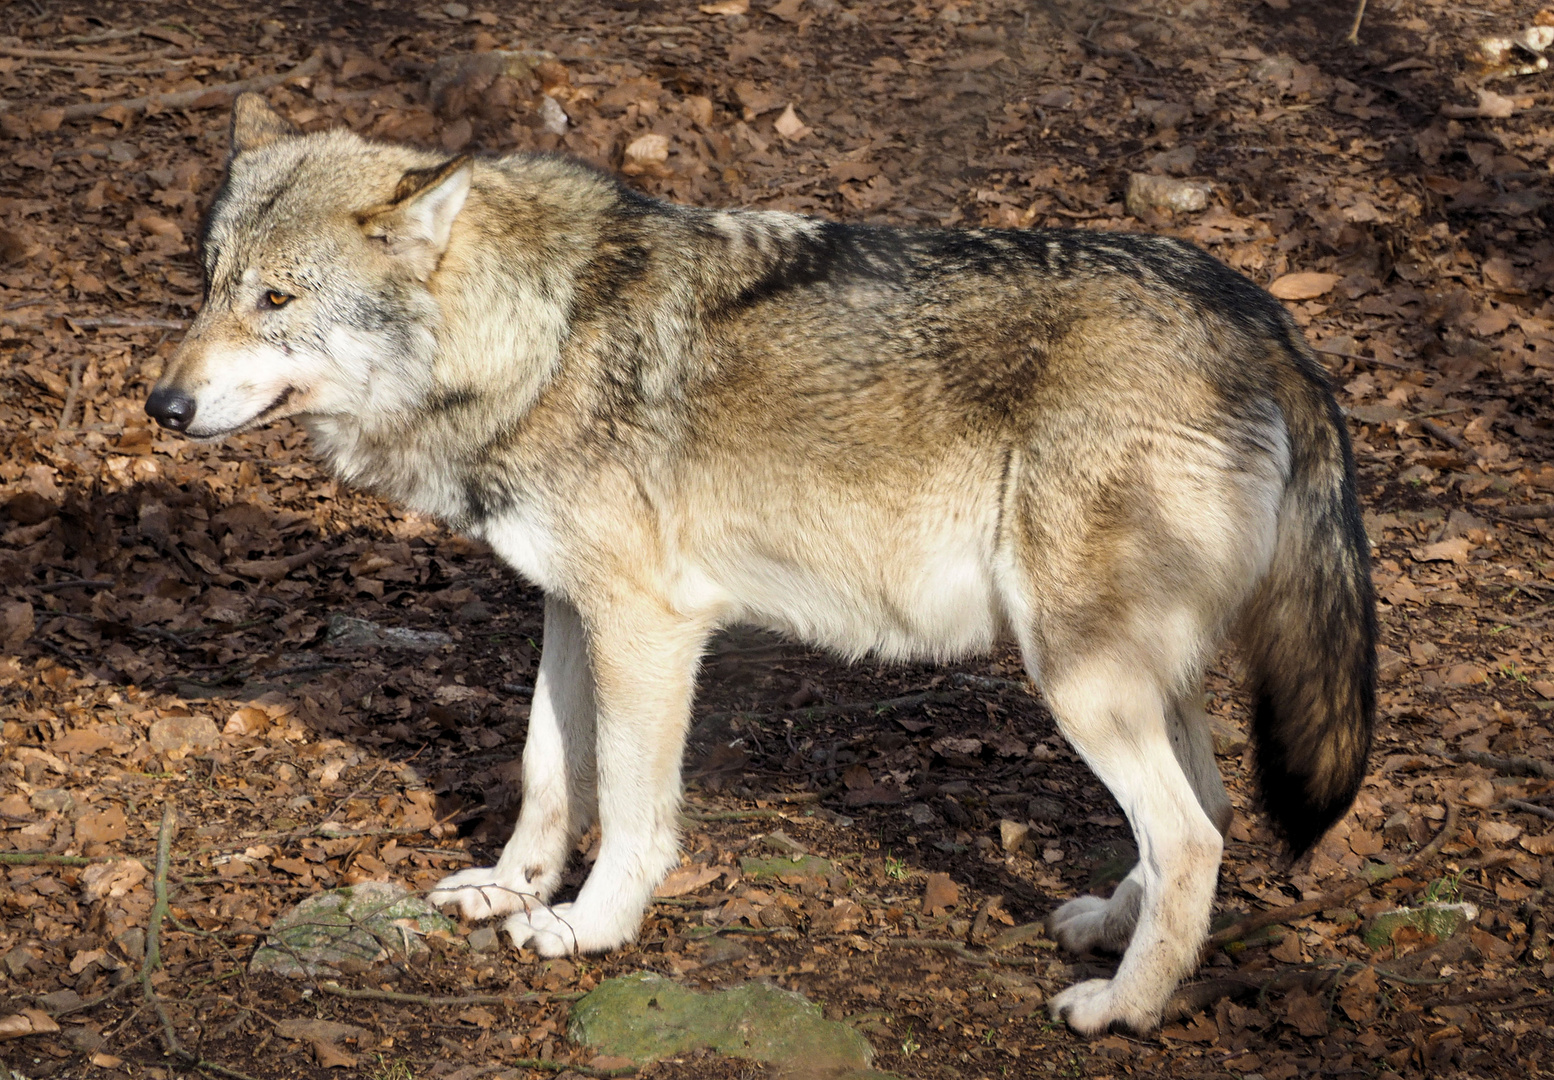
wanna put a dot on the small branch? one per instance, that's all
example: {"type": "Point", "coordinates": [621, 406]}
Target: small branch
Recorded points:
{"type": "Point", "coordinates": [337, 990]}
{"type": "Point", "coordinates": [68, 55]}
{"type": "Point", "coordinates": [1450, 438]}
{"type": "Point", "coordinates": [1526, 808]}
{"type": "Point", "coordinates": [70, 397]}
{"type": "Point", "coordinates": [204, 97]}
{"type": "Point", "coordinates": [96, 322]}
{"type": "Point", "coordinates": [547, 1065]}
{"type": "Point", "coordinates": [43, 858]}
{"type": "Point", "coordinates": [1353, 36]}
{"type": "Point", "coordinates": [61, 586]}
{"type": "Point", "coordinates": [1511, 766]}
{"type": "Point", "coordinates": [1373, 875]}
{"type": "Point", "coordinates": [1525, 513]}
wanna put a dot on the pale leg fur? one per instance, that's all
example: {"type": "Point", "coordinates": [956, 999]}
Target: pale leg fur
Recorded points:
{"type": "Point", "coordinates": [1090, 923]}
{"type": "Point", "coordinates": [1114, 715]}
{"type": "Point", "coordinates": [644, 663]}
{"type": "Point", "coordinates": [558, 782]}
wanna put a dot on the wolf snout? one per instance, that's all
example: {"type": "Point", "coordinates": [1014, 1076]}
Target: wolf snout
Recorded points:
{"type": "Point", "coordinates": [170, 407]}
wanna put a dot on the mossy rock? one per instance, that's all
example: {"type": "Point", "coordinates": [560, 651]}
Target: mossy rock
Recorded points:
{"type": "Point", "coordinates": [348, 928]}
{"type": "Point", "coordinates": [1441, 920]}
{"type": "Point", "coordinates": [646, 1017]}
{"type": "Point", "coordinates": [782, 866]}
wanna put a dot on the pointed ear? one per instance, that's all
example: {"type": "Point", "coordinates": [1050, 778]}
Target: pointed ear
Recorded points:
{"type": "Point", "coordinates": [255, 124]}
{"type": "Point", "coordinates": [419, 221]}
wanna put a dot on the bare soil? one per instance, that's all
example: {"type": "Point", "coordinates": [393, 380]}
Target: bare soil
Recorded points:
{"type": "Point", "coordinates": [148, 584]}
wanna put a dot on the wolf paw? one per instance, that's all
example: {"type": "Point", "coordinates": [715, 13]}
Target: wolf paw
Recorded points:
{"type": "Point", "coordinates": [484, 893]}
{"type": "Point", "coordinates": [1094, 1007]}
{"type": "Point", "coordinates": [564, 929]}
{"type": "Point", "coordinates": [1080, 925]}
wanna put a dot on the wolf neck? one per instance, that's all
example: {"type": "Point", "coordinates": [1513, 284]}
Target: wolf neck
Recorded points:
{"type": "Point", "coordinates": [561, 308]}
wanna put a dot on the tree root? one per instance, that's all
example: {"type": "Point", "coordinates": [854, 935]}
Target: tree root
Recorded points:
{"type": "Point", "coordinates": [1373, 875]}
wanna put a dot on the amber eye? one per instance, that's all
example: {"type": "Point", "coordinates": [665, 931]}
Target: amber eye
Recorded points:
{"type": "Point", "coordinates": [273, 299]}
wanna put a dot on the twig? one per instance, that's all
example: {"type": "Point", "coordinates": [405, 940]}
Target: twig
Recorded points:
{"type": "Point", "coordinates": [61, 586]}
{"type": "Point", "coordinates": [1364, 359]}
{"type": "Point", "coordinates": [1526, 807]}
{"type": "Point", "coordinates": [1511, 766]}
{"type": "Point", "coordinates": [97, 322]}
{"type": "Point", "coordinates": [1373, 875]}
{"type": "Point", "coordinates": [42, 858]}
{"type": "Point", "coordinates": [204, 97]}
{"type": "Point", "coordinates": [1450, 438]}
{"type": "Point", "coordinates": [71, 395]}
{"type": "Point", "coordinates": [849, 708]}
{"type": "Point", "coordinates": [83, 57]}
{"type": "Point", "coordinates": [1525, 513]}
{"type": "Point", "coordinates": [1353, 36]}
{"type": "Point", "coordinates": [337, 990]}
{"type": "Point", "coordinates": [547, 1065]}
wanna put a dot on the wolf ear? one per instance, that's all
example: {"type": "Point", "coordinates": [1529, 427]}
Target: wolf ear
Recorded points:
{"type": "Point", "coordinates": [419, 220]}
{"type": "Point", "coordinates": [255, 124]}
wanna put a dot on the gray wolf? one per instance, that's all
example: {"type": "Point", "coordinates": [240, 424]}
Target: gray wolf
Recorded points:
{"type": "Point", "coordinates": [1109, 449]}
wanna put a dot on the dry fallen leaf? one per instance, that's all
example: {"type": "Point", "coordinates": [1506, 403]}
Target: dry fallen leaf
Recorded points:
{"type": "Point", "coordinates": [686, 879]}
{"type": "Point", "coordinates": [725, 7]}
{"type": "Point", "coordinates": [941, 894]}
{"type": "Point", "coordinates": [789, 126]}
{"type": "Point", "coordinates": [27, 1022]}
{"type": "Point", "coordinates": [1306, 285]}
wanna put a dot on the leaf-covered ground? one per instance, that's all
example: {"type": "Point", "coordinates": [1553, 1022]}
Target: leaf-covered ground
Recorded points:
{"type": "Point", "coordinates": [175, 618]}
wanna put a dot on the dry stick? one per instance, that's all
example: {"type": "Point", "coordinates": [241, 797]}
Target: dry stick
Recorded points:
{"type": "Point", "coordinates": [153, 960]}
{"type": "Point", "coordinates": [1512, 766]}
{"type": "Point", "coordinates": [1373, 876]}
{"type": "Point", "coordinates": [71, 396]}
{"type": "Point", "coordinates": [1525, 513]}
{"type": "Point", "coordinates": [1527, 807]}
{"type": "Point", "coordinates": [208, 97]}
{"type": "Point", "coordinates": [1353, 37]}
{"type": "Point", "coordinates": [1450, 438]}
{"type": "Point", "coordinates": [84, 57]}
{"type": "Point", "coordinates": [547, 1065]}
{"type": "Point", "coordinates": [103, 322]}
{"type": "Point", "coordinates": [337, 990]}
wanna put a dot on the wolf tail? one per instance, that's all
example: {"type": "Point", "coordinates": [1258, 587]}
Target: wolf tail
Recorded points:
{"type": "Point", "coordinates": [1309, 633]}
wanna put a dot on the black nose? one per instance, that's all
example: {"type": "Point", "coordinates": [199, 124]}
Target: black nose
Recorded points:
{"type": "Point", "coordinates": [171, 408]}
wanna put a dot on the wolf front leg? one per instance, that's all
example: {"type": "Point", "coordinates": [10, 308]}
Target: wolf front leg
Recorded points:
{"type": "Point", "coordinates": [1114, 714]}
{"type": "Point", "coordinates": [558, 781]}
{"type": "Point", "coordinates": [644, 662]}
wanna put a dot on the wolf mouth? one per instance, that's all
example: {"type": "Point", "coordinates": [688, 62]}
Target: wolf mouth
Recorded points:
{"type": "Point", "coordinates": [258, 418]}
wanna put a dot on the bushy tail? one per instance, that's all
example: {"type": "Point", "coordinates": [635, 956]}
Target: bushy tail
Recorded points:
{"type": "Point", "coordinates": [1309, 634]}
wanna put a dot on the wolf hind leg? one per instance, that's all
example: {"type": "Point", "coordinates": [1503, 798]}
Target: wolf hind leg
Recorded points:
{"type": "Point", "coordinates": [558, 782]}
{"type": "Point", "coordinates": [1114, 713]}
{"type": "Point", "coordinates": [1091, 923]}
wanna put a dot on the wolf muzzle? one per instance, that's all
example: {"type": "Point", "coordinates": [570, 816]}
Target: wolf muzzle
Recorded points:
{"type": "Point", "coordinates": [171, 407]}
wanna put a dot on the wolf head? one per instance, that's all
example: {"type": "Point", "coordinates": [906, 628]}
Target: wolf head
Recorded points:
{"type": "Point", "coordinates": [320, 257]}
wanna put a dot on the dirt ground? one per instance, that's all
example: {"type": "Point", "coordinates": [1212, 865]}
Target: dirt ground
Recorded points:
{"type": "Point", "coordinates": [173, 616]}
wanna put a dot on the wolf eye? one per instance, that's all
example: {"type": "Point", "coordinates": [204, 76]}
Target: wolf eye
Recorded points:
{"type": "Point", "coordinates": [273, 299]}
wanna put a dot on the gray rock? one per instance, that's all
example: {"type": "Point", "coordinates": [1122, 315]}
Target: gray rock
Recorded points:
{"type": "Point", "coordinates": [483, 939]}
{"type": "Point", "coordinates": [1146, 193]}
{"type": "Point", "coordinates": [52, 800]}
{"type": "Point", "coordinates": [176, 737]}
{"type": "Point", "coordinates": [646, 1016]}
{"type": "Point", "coordinates": [347, 632]}
{"type": "Point", "coordinates": [921, 814]}
{"type": "Point", "coordinates": [361, 925]}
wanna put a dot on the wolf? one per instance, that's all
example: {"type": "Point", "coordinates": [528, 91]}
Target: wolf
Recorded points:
{"type": "Point", "coordinates": [1108, 449]}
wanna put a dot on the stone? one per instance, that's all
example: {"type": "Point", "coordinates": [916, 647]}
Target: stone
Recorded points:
{"type": "Point", "coordinates": [1012, 835]}
{"type": "Point", "coordinates": [783, 866]}
{"type": "Point", "coordinates": [483, 939]}
{"type": "Point", "coordinates": [367, 923]}
{"type": "Point", "coordinates": [645, 1017]}
{"type": "Point", "coordinates": [52, 800]}
{"type": "Point", "coordinates": [940, 894]}
{"type": "Point", "coordinates": [348, 632]}
{"type": "Point", "coordinates": [1148, 193]}
{"type": "Point", "coordinates": [1042, 808]}
{"type": "Point", "coordinates": [1229, 740]}
{"type": "Point", "coordinates": [176, 737]}
{"type": "Point", "coordinates": [1442, 920]}
{"type": "Point", "coordinates": [921, 814]}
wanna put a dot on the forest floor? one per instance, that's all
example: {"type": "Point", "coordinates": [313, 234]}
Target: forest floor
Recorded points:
{"type": "Point", "coordinates": [173, 615]}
